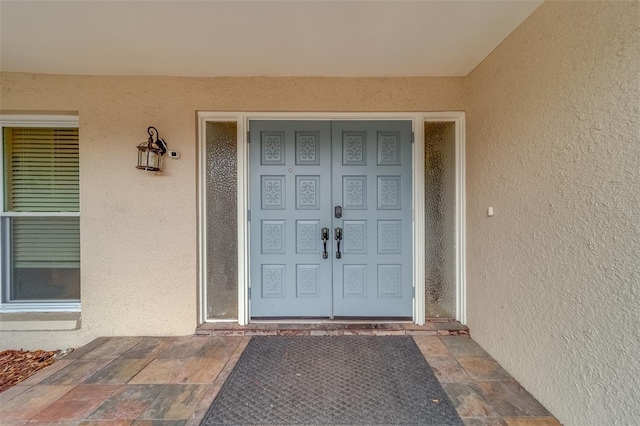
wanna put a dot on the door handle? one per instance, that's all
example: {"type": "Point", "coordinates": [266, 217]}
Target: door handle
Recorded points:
{"type": "Point", "coordinates": [338, 235]}
{"type": "Point", "coordinates": [325, 238]}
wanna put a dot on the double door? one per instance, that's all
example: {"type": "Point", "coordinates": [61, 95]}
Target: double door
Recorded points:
{"type": "Point", "coordinates": [330, 219]}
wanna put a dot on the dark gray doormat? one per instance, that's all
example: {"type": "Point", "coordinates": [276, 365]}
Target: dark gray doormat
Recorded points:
{"type": "Point", "coordinates": [346, 380]}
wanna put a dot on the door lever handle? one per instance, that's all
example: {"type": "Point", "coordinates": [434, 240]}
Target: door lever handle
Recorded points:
{"type": "Point", "coordinates": [325, 238]}
{"type": "Point", "coordinates": [338, 236]}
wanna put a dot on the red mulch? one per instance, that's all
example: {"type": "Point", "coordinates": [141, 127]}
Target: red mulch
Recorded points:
{"type": "Point", "coordinates": [15, 366]}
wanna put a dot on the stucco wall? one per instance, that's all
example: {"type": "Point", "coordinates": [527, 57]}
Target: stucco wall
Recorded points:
{"type": "Point", "coordinates": [553, 144]}
{"type": "Point", "coordinates": [138, 230]}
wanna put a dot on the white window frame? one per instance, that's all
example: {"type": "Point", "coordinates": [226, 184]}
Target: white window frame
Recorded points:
{"type": "Point", "coordinates": [10, 120]}
{"type": "Point", "coordinates": [418, 119]}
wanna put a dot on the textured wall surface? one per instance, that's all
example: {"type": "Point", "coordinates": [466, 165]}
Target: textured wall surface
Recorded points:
{"type": "Point", "coordinates": [553, 144]}
{"type": "Point", "coordinates": [139, 230]}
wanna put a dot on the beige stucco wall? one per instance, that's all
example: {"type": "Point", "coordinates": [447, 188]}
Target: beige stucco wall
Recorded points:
{"type": "Point", "coordinates": [553, 144]}
{"type": "Point", "coordinates": [139, 230]}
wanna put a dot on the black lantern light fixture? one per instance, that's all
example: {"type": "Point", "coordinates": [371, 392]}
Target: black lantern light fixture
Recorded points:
{"type": "Point", "coordinates": [150, 153]}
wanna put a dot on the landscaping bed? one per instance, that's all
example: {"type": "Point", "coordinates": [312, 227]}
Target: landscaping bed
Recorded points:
{"type": "Point", "coordinates": [17, 365]}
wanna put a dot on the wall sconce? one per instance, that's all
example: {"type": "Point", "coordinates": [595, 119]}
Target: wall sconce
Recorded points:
{"type": "Point", "coordinates": [150, 153]}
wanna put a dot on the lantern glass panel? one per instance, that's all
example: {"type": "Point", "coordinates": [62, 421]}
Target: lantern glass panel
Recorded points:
{"type": "Point", "coordinates": [149, 157]}
{"type": "Point", "coordinates": [153, 160]}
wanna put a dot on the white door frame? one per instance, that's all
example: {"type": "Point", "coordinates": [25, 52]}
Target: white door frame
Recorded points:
{"type": "Point", "coordinates": [418, 119]}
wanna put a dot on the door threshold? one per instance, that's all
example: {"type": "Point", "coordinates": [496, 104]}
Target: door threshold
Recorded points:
{"type": "Point", "coordinates": [326, 327]}
{"type": "Point", "coordinates": [330, 321]}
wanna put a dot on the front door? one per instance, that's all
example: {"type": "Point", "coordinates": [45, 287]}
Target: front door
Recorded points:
{"type": "Point", "coordinates": [330, 219]}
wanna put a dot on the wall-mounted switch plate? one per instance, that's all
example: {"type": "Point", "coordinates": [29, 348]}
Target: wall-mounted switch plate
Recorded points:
{"type": "Point", "coordinates": [174, 154]}
{"type": "Point", "coordinates": [490, 211]}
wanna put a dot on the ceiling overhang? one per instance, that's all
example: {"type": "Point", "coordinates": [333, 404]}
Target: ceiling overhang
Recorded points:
{"type": "Point", "coordinates": [254, 38]}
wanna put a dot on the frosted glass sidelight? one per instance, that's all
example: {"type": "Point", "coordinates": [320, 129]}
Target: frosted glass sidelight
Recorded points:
{"type": "Point", "coordinates": [440, 208]}
{"type": "Point", "coordinates": [222, 220]}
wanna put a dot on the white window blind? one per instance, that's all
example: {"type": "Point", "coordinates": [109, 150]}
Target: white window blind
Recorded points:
{"type": "Point", "coordinates": [42, 175]}
{"type": "Point", "coordinates": [42, 170]}
{"type": "Point", "coordinates": [46, 242]}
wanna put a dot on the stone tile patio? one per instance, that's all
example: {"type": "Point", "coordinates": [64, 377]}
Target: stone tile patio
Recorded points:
{"type": "Point", "coordinates": [172, 381]}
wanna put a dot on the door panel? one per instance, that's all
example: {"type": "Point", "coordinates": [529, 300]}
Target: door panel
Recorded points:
{"type": "Point", "coordinates": [300, 171]}
{"type": "Point", "coordinates": [290, 199]}
{"type": "Point", "coordinates": [372, 183]}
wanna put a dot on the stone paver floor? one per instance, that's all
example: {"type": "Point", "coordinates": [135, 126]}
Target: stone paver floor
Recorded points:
{"type": "Point", "coordinates": [172, 381]}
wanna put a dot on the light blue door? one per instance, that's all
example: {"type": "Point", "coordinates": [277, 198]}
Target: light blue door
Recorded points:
{"type": "Point", "coordinates": [290, 203]}
{"type": "Point", "coordinates": [351, 180]}
{"type": "Point", "coordinates": [372, 183]}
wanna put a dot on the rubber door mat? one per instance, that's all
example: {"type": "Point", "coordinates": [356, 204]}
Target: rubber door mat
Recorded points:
{"type": "Point", "coordinates": [330, 380]}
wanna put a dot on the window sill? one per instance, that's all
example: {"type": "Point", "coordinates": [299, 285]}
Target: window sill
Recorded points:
{"type": "Point", "coordinates": [42, 307]}
{"type": "Point", "coordinates": [40, 321]}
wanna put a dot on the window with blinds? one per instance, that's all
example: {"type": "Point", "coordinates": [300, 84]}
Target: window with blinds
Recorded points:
{"type": "Point", "coordinates": [45, 242]}
{"type": "Point", "coordinates": [42, 170]}
{"type": "Point", "coordinates": [41, 176]}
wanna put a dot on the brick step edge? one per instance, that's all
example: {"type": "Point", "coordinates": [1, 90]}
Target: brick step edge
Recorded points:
{"type": "Point", "coordinates": [356, 332]}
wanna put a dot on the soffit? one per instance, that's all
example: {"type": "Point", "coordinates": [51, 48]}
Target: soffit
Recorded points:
{"type": "Point", "coordinates": [254, 38]}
